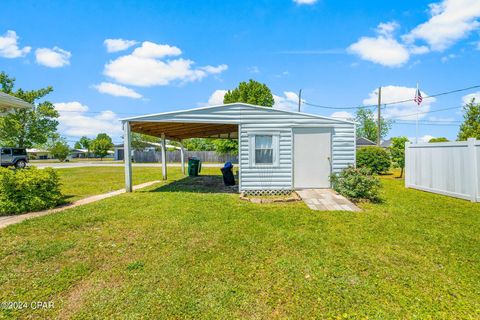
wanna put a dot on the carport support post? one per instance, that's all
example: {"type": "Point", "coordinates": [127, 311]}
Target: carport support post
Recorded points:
{"type": "Point", "coordinates": [164, 158]}
{"type": "Point", "coordinates": [182, 157]}
{"type": "Point", "coordinates": [127, 156]}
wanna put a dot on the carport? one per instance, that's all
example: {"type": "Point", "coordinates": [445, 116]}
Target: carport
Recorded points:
{"type": "Point", "coordinates": [173, 131]}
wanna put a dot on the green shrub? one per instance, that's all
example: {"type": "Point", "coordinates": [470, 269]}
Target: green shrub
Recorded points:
{"type": "Point", "coordinates": [357, 184]}
{"type": "Point", "coordinates": [374, 158]}
{"type": "Point", "coordinates": [29, 189]}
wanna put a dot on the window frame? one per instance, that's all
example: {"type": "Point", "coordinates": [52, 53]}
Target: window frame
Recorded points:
{"type": "Point", "coordinates": [275, 149]}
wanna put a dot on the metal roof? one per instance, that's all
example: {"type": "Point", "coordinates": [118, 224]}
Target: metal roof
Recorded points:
{"type": "Point", "coordinates": [162, 115]}
{"type": "Point", "coordinates": [8, 102]}
{"type": "Point", "coordinates": [221, 121]}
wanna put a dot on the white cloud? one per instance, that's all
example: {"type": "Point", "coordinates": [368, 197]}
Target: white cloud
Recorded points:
{"type": "Point", "coordinates": [401, 111]}
{"type": "Point", "coordinates": [422, 139]}
{"type": "Point", "coordinates": [117, 90]}
{"type": "Point", "coordinates": [52, 58]}
{"type": "Point", "coordinates": [387, 28]}
{"type": "Point", "coordinates": [418, 49]}
{"type": "Point", "coordinates": [448, 57]}
{"type": "Point", "coordinates": [9, 46]}
{"type": "Point", "coordinates": [75, 122]}
{"type": "Point", "coordinates": [382, 49]}
{"type": "Point", "coordinates": [116, 45]}
{"type": "Point", "coordinates": [216, 98]}
{"type": "Point", "coordinates": [450, 21]}
{"type": "Point", "coordinates": [145, 68]}
{"type": "Point", "coordinates": [342, 115]}
{"type": "Point", "coordinates": [305, 1]}
{"type": "Point", "coordinates": [153, 50]}
{"type": "Point", "coordinates": [215, 70]}
{"type": "Point", "coordinates": [466, 99]}
{"type": "Point", "coordinates": [288, 102]}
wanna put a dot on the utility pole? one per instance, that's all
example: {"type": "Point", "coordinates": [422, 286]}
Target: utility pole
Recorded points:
{"type": "Point", "coordinates": [379, 127]}
{"type": "Point", "coordinates": [299, 99]}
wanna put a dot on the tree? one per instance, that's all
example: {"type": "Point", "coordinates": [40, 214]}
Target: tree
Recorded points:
{"type": "Point", "coordinates": [367, 125]}
{"type": "Point", "coordinates": [83, 143]}
{"type": "Point", "coordinates": [375, 159]}
{"type": "Point", "coordinates": [104, 136]}
{"type": "Point", "coordinates": [470, 127]}
{"type": "Point", "coordinates": [439, 139]}
{"type": "Point", "coordinates": [59, 149]}
{"type": "Point", "coordinates": [397, 153]}
{"type": "Point", "coordinates": [199, 144]}
{"type": "Point", "coordinates": [27, 127]}
{"type": "Point", "coordinates": [101, 145]}
{"type": "Point", "coordinates": [223, 146]}
{"type": "Point", "coordinates": [252, 92]}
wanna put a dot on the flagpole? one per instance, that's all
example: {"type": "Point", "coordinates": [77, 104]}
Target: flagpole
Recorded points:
{"type": "Point", "coordinates": [416, 134]}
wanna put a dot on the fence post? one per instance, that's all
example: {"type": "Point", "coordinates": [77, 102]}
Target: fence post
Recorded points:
{"type": "Point", "coordinates": [407, 164]}
{"type": "Point", "coordinates": [473, 168]}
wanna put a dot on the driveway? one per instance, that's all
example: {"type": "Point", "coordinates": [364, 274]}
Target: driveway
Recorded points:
{"type": "Point", "coordinates": [64, 165]}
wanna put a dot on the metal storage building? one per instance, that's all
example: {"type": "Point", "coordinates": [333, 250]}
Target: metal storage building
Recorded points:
{"type": "Point", "coordinates": [278, 150]}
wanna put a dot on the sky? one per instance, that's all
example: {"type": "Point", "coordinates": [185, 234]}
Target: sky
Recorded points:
{"type": "Point", "coordinates": [108, 60]}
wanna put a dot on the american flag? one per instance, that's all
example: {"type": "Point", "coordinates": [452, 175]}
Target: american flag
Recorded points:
{"type": "Point", "coordinates": [418, 97]}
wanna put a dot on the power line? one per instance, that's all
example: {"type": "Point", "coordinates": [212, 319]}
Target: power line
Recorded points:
{"type": "Point", "coordinates": [428, 124]}
{"type": "Point", "coordinates": [435, 95]}
{"type": "Point", "coordinates": [413, 114]}
{"type": "Point", "coordinates": [392, 102]}
{"type": "Point", "coordinates": [335, 108]}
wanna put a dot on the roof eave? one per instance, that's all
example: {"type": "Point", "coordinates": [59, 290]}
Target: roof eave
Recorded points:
{"type": "Point", "coordinates": [143, 117]}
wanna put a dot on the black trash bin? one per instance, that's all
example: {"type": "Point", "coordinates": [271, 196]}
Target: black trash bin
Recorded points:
{"type": "Point", "coordinates": [227, 172]}
{"type": "Point", "coordinates": [194, 166]}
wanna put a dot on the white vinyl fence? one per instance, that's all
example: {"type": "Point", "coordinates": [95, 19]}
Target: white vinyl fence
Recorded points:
{"type": "Point", "coordinates": [448, 168]}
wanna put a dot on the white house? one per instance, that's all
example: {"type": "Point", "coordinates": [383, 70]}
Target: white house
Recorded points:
{"type": "Point", "coordinates": [278, 150]}
{"type": "Point", "coordinates": [39, 154]}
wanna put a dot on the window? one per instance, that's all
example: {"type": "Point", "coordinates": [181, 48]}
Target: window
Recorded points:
{"type": "Point", "coordinates": [19, 152]}
{"type": "Point", "coordinates": [263, 149]}
{"type": "Point", "coordinates": [6, 152]}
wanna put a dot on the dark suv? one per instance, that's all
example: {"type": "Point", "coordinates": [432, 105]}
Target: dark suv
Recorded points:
{"type": "Point", "coordinates": [13, 157]}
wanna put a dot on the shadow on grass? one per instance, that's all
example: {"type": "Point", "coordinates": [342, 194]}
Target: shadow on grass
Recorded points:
{"type": "Point", "coordinates": [199, 184]}
{"type": "Point", "coordinates": [66, 199]}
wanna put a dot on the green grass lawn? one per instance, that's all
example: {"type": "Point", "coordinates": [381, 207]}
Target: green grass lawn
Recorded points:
{"type": "Point", "coordinates": [170, 252]}
{"type": "Point", "coordinates": [82, 182]}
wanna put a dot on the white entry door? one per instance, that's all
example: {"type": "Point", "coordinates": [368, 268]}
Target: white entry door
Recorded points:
{"type": "Point", "coordinates": [311, 157]}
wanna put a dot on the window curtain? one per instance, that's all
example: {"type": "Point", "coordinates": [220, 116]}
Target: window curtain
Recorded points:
{"type": "Point", "coordinates": [263, 149]}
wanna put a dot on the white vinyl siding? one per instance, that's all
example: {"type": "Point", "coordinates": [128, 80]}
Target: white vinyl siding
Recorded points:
{"type": "Point", "coordinates": [343, 146]}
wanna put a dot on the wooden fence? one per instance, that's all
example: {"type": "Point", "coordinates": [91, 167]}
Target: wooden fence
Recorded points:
{"type": "Point", "coordinates": [448, 168]}
{"type": "Point", "coordinates": [174, 156]}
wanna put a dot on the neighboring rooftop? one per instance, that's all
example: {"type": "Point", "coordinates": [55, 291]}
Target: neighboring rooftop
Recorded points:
{"type": "Point", "coordinates": [364, 142]}
{"type": "Point", "coordinates": [8, 102]}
